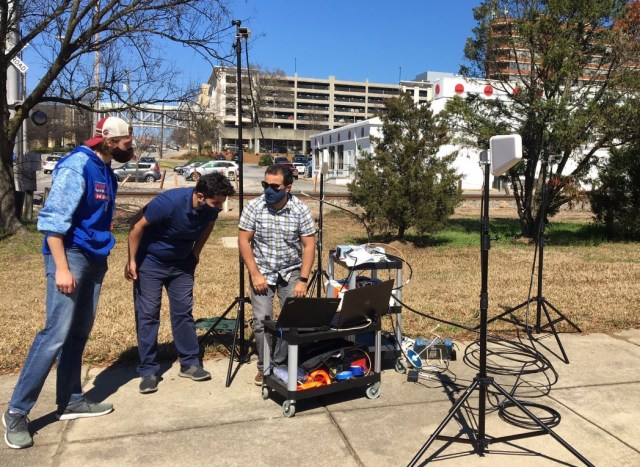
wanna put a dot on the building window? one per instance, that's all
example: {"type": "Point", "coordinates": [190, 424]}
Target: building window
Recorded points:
{"type": "Point", "coordinates": [332, 157]}
{"type": "Point", "coordinates": [341, 157]}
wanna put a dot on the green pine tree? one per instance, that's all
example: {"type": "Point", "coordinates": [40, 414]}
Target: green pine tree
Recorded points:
{"type": "Point", "coordinates": [403, 184]}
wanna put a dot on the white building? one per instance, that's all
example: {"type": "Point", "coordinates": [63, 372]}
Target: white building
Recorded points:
{"type": "Point", "coordinates": [299, 107]}
{"type": "Point", "coordinates": [340, 147]}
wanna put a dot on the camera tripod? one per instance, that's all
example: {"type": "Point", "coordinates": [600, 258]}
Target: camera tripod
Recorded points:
{"type": "Point", "coordinates": [542, 304]}
{"type": "Point", "coordinates": [478, 438]}
{"type": "Point", "coordinates": [316, 281]}
{"type": "Point", "coordinates": [241, 299]}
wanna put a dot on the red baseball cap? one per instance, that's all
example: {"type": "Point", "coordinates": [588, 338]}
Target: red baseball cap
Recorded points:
{"type": "Point", "coordinates": [108, 127]}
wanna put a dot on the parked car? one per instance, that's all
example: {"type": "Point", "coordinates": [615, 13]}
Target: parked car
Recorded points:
{"type": "Point", "coordinates": [300, 158]}
{"type": "Point", "coordinates": [227, 168]}
{"type": "Point", "coordinates": [147, 159]}
{"type": "Point", "coordinates": [301, 167]}
{"type": "Point", "coordinates": [281, 160]}
{"type": "Point", "coordinates": [138, 171]}
{"type": "Point", "coordinates": [179, 169]}
{"type": "Point", "coordinates": [220, 157]}
{"type": "Point", "coordinates": [50, 163]}
{"type": "Point", "coordinates": [291, 166]}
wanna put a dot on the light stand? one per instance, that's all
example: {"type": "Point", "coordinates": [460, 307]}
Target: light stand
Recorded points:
{"type": "Point", "coordinates": [241, 299]}
{"type": "Point", "coordinates": [317, 277]}
{"type": "Point", "coordinates": [542, 304]}
{"type": "Point", "coordinates": [478, 437]}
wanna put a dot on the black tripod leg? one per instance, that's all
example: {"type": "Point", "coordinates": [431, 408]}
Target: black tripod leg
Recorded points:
{"type": "Point", "coordinates": [213, 326]}
{"type": "Point", "coordinates": [444, 423]}
{"type": "Point", "coordinates": [233, 351]}
{"type": "Point", "coordinates": [538, 422]}
{"type": "Point", "coordinates": [507, 312]}
{"type": "Point", "coordinates": [563, 317]}
{"type": "Point", "coordinates": [555, 332]}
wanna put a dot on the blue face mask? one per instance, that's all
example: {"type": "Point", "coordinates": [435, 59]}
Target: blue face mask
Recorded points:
{"type": "Point", "coordinates": [273, 197]}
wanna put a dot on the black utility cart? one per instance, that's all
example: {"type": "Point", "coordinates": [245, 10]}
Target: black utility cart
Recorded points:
{"type": "Point", "coordinates": [295, 339]}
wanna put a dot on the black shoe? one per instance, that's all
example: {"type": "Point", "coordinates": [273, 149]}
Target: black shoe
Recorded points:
{"type": "Point", "coordinates": [196, 373]}
{"type": "Point", "coordinates": [148, 384]}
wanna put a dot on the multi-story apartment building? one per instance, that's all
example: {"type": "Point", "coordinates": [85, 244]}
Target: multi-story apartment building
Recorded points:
{"type": "Point", "coordinates": [291, 108]}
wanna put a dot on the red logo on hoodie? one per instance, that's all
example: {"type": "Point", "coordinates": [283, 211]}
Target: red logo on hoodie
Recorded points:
{"type": "Point", "coordinates": [100, 191]}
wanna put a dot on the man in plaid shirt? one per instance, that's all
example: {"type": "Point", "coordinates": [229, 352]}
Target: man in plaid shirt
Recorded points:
{"type": "Point", "coordinates": [277, 244]}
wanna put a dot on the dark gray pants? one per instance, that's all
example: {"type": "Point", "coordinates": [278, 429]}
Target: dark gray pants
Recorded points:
{"type": "Point", "coordinates": [262, 307]}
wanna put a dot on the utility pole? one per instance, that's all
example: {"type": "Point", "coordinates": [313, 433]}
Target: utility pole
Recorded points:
{"type": "Point", "coordinates": [96, 75]}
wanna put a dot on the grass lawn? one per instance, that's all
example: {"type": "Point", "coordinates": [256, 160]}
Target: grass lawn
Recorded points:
{"type": "Point", "coordinates": [593, 282]}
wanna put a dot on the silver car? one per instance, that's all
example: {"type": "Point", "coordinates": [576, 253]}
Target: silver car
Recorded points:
{"type": "Point", "coordinates": [138, 171]}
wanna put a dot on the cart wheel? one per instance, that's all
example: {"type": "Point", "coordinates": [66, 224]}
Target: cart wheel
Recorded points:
{"type": "Point", "coordinates": [400, 367]}
{"type": "Point", "coordinates": [373, 392]}
{"type": "Point", "coordinates": [288, 409]}
{"type": "Point", "coordinates": [265, 392]}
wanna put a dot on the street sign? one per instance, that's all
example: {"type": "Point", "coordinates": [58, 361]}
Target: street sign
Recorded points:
{"type": "Point", "coordinates": [20, 65]}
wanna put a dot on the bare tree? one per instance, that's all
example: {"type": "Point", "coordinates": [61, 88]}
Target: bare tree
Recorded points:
{"type": "Point", "coordinates": [90, 48]}
{"type": "Point", "coordinates": [268, 92]}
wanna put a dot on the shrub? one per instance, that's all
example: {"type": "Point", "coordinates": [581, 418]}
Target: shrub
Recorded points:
{"type": "Point", "coordinates": [265, 160]}
{"type": "Point", "coordinates": [616, 201]}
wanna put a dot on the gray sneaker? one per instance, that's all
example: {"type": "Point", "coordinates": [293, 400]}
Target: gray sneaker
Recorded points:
{"type": "Point", "coordinates": [148, 384]}
{"type": "Point", "coordinates": [17, 435]}
{"type": "Point", "coordinates": [82, 409]}
{"type": "Point", "coordinates": [196, 373]}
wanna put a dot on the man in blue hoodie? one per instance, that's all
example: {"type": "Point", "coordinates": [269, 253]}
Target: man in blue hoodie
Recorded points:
{"type": "Point", "coordinates": [76, 223]}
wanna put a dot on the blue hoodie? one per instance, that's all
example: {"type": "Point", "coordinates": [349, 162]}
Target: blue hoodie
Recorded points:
{"type": "Point", "coordinates": [80, 205]}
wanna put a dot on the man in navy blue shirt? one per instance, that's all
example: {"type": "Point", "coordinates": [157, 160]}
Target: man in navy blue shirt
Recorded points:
{"type": "Point", "coordinates": [165, 241]}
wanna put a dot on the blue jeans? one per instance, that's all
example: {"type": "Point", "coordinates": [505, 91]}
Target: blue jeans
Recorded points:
{"type": "Point", "coordinates": [69, 322]}
{"type": "Point", "coordinates": [262, 306]}
{"type": "Point", "coordinates": [178, 279]}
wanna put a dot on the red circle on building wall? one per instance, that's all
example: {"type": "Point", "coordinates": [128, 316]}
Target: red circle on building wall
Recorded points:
{"type": "Point", "coordinates": [437, 89]}
{"type": "Point", "coordinates": [459, 88]}
{"type": "Point", "coordinates": [488, 91]}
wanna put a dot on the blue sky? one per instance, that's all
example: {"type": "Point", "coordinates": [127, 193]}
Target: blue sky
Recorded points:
{"type": "Point", "coordinates": [358, 39]}
{"type": "Point", "coordinates": [378, 40]}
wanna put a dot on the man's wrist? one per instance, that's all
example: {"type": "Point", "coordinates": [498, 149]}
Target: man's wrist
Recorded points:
{"type": "Point", "coordinates": [303, 279]}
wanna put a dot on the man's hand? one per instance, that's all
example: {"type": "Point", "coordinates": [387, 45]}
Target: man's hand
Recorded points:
{"type": "Point", "coordinates": [131, 271]}
{"type": "Point", "coordinates": [259, 284]}
{"type": "Point", "coordinates": [300, 290]}
{"type": "Point", "coordinates": [65, 282]}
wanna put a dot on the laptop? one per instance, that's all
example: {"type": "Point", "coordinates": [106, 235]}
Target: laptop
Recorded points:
{"type": "Point", "coordinates": [363, 304]}
{"type": "Point", "coordinates": [307, 314]}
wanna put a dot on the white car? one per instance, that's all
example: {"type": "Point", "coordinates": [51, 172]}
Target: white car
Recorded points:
{"type": "Point", "coordinates": [227, 168]}
{"type": "Point", "coordinates": [302, 168]}
{"type": "Point", "coordinates": [50, 163]}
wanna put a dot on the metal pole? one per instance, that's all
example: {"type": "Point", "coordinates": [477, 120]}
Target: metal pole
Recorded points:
{"type": "Point", "coordinates": [319, 271]}
{"type": "Point", "coordinates": [96, 74]}
{"type": "Point", "coordinates": [240, 181]}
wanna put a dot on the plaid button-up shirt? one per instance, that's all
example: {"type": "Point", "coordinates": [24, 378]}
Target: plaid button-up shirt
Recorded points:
{"type": "Point", "coordinates": [276, 243]}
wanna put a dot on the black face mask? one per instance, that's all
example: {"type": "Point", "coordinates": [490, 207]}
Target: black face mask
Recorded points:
{"type": "Point", "coordinates": [209, 209]}
{"type": "Point", "coordinates": [121, 155]}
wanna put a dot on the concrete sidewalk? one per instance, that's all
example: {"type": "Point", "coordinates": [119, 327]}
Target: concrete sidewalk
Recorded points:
{"type": "Point", "coordinates": [189, 423]}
